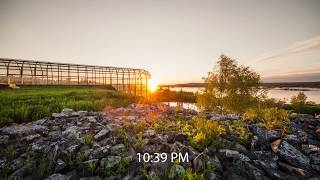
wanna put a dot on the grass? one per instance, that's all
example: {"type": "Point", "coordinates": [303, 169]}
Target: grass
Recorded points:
{"type": "Point", "coordinates": [33, 103]}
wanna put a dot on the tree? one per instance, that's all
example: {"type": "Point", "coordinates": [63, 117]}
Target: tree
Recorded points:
{"type": "Point", "coordinates": [230, 88]}
{"type": "Point", "coordinates": [299, 99]}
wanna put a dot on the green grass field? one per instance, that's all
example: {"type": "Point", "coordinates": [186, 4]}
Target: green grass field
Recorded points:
{"type": "Point", "coordinates": [33, 103]}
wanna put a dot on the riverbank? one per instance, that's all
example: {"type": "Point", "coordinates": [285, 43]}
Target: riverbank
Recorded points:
{"type": "Point", "coordinates": [74, 144]}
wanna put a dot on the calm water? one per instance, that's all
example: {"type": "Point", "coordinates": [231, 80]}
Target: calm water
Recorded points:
{"type": "Point", "coordinates": [284, 94]}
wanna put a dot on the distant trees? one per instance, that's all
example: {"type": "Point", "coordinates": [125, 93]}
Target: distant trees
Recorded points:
{"type": "Point", "coordinates": [230, 88]}
{"type": "Point", "coordinates": [299, 99]}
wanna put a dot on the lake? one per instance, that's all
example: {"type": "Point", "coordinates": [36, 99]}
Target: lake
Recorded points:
{"type": "Point", "coordinates": [284, 93]}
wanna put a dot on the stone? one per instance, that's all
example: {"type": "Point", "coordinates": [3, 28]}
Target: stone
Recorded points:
{"type": "Point", "coordinates": [60, 165]}
{"type": "Point", "coordinates": [22, 130]}
{"type": "Point", "coordinates": [204, 162]}
{"type": "Point", "coordinates": [108, 164]}
{"type": "Point", "coordinates": [149, 133]}
{"type": "Point", "coordinates": [233, 154]}
{"type": "Point", "coordinates": [265, 135]}
{"type": "Point", "coordinates": [71, 150]}
{"type": "Point", "coordinates": [67, 111]}
{"type": "Point", "coordinates": [101, 134]}
{"type": "Point", "coordinates": [4, 139]}
{"type": "Point", "coordinates": [309, 148]}
{"type": "Point", "coordinates": [32, 137]}
{"type": "Point", "coordinates": [117, 149]}
{"type": "Point", "coordinates": [59, 115]}
{"type": "Point", "coordinates": [92, 119]}
{"type": "Point", "coordinates": [99, 152]}
{"type": "Point", "coordinates": [72, 132]}
{"type": "Point", "coordinates": [315, 158]}
{"type": "Point", "coordinates": [176, 171]}
{"type": "Point", "coordinates": [292, 169]}
{"type": "Point", "coordinates": [57, 177]}
{"type": "Point", "coordinates": [289, 153]}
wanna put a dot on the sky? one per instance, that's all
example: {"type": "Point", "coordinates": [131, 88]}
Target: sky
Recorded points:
{"type": "Point", "coordinates": [177, 41]}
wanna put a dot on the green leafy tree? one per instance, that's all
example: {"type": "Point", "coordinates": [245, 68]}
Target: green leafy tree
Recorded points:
{"type": "Point", "coordinates": [299, 99]}
{"type": "Point", "coordinates": [230, 88]}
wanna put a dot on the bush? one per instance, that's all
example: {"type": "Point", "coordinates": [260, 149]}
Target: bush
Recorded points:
{"type": "Point", "coordinates": [270, 118]}
{"type": "Point", "coordinates": [190, 175]}
{"type": "Point", "coordinates": [88, 139]}
{"type": "Point", "coordinates": [239, 128]}
{"type": "Point", "coordinates": [208, 132]}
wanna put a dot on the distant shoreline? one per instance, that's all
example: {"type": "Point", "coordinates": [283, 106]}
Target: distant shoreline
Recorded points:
{"type": "Point", "coordinates": [268, 85]}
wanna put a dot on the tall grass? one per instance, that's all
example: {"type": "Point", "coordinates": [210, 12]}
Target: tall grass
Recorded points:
{"type": "Point", "coordinates": [33, 103]}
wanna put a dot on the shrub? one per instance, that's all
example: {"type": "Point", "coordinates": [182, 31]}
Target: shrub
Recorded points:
{"type": "Point", "coordinates": [88, 139]}
{"type": "Point", "coordinates": [208, 132]}
{"type": "Point", "coordinates": [190, 175]}
{"type": "Point", "coordinates": [239, 128]}
{"type": "Point", "coordinates": [270, 118]}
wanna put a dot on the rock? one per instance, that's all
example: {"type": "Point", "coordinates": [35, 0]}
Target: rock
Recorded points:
{"type": "Point", "coordinates": [309, 148]}
{"type": "Point", "coordinates": [92, 119]}
{"type": "Point", "coordinates": [290, 154]}
{"type": "Point", "coordinates": [213, 176]}
{"type": "Point", "coordinates": [32, 137]}
{"type": "Point", "coordinates": [72, 150]}
{"type": "Point", "coordinates": [292, 169]}
{"type": "Point", "coordinates": [117, 149]}
{"type": "Point", "coordinates": [247, 170]}
{"type": "Point", "coordinates": [108, 164]}
{"type": "Point", "coordinates": [149, 133]}
{"type": "Point", "coordinates": [72, 132]}
{"type": "Point", "coordinates": [60, 165]}
{"type": "Point", "coordinates": [315, 158]}
{"type": "Point", "coordinates": [59, 115]}
{"type": "Point", "coordinates": [4, 139]}
{"type": "Point", "coordinates": [176, 171]}
{"type": "Point", "coordinates": [240, 148]}
{"type": "Point", "coordinates": [265, 135]}
{"type": "Point", "coordinates": [176, 136]}
{"type": "Point", "coordinates": [22, 130]}
{"type": "Point", "coordinates": [203, 162]}
{"type": "Point", "coordinates": [99, 152]}
{"type": "Point", "coordinates": [67, 111]}
{"type": "Point", "coordinates": [57, 177]}
{"type": "Point", "coordinates": [233, 154]}
{"type": "Point", "coordinates": [101, 134]}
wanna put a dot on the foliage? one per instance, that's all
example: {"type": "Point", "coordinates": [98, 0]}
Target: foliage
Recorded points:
{"type": "Point", "coordinates": [312, 109]}
{"type": "Point", "coordinates": [270, 118]}
{"type": "Point", "coordinates": [33, 103]}
{"type": "Point", "coordinates": [230, 88]}
{"type": "Point", "coordinates": [208, 132]}
{"type": "Point", "coordinates": [299, 99]}
{"type": "Point", "coordinates": [166, 95]}
{"type": "Point", "coordinates": [238, 127]}
{"type": "Point", "coordinates": [88, 139]}
{"type": "Point", "coordinates": [9, 152]}
{"type": "Point", "coordinates": [191, 175]}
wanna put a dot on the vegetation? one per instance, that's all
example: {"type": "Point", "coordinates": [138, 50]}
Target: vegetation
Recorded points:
{"type": "Point", "coordinates": [208, 132]}
{"type": "Point", "coordinates": [270, 118]}
{"type": "Point", "coordinates": [88, 139]}
{"type": "Point", "coordinates": [230, 88]}
{"type": "Point", "coordinates": [166, 95]}
{"type": "Point", "coordinates": [33, 103]}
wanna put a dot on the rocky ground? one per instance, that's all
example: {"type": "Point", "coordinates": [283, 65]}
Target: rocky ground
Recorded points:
{"type": "Point", "coordinates": [94, 145]}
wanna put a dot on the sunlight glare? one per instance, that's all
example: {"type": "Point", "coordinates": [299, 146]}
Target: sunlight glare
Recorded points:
{"type": "Point", "coordinates": [153, 84]}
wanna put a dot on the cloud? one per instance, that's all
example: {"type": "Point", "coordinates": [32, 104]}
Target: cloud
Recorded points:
{"type": "Point", "coordinates": [312, 44]}
{"type": "Point", "coordinates": [308, 77]}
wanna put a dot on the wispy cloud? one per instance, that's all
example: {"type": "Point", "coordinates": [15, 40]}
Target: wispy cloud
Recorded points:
{"type": "Point", "coordinates": [312, 44]}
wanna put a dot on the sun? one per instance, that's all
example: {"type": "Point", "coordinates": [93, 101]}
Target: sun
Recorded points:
{"type": "Point", "coordinates": [153, 84]}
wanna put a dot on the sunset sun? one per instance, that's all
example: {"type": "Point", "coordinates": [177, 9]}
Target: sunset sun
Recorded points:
{"type": "Point", "coordinates": [153, 84]}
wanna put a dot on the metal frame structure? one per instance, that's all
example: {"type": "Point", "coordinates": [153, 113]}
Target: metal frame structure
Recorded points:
{"type": "Point", "coordinates": [29, 72]}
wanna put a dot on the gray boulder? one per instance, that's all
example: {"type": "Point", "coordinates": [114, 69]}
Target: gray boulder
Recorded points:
{"type": "Point", "coordinates": [101, 134]}
{"type": "Point", "coordinates": [57, 177]}
{"type": "Point", "coordinates": [290, 154]}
